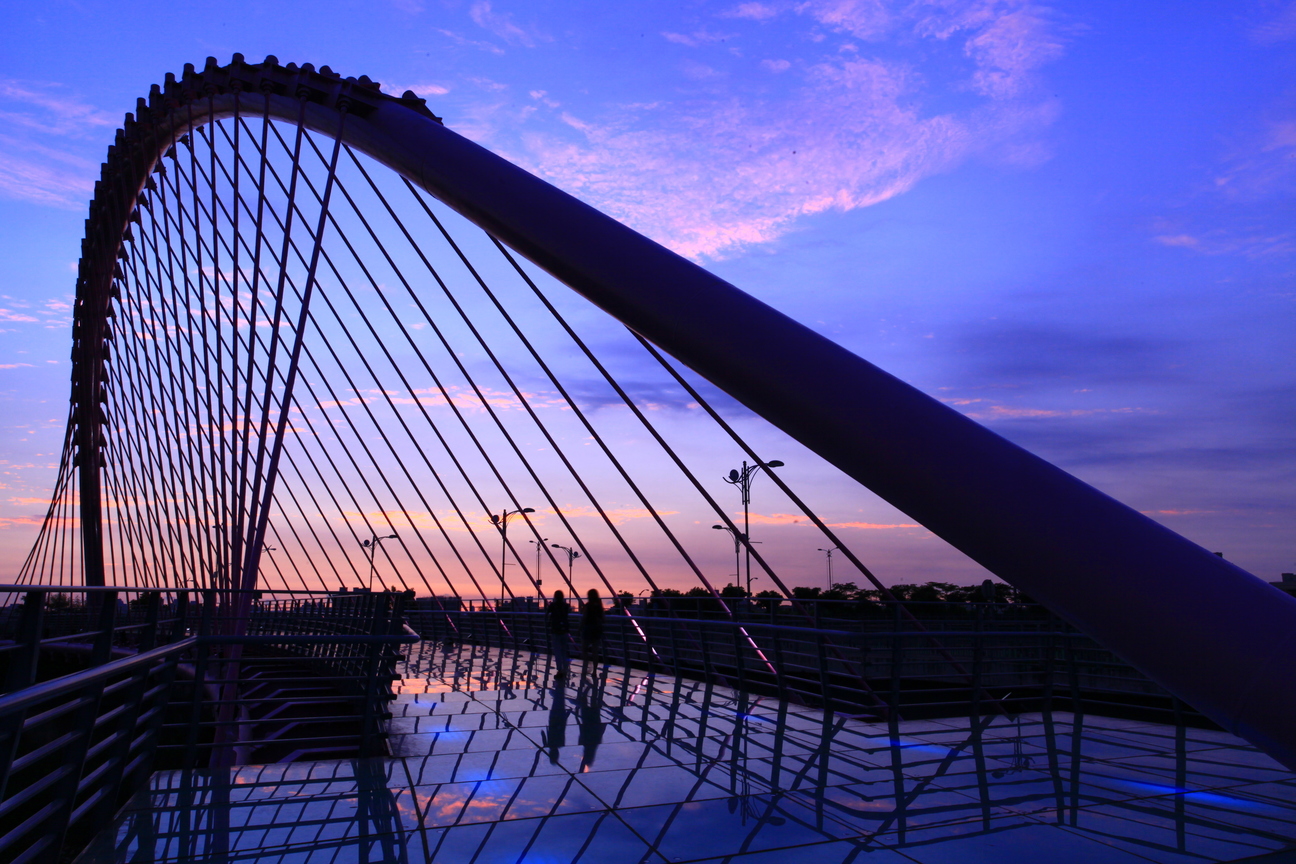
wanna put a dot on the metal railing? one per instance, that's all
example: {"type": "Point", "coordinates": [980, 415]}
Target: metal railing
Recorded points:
{"type": "Point", "coordinates": [937, 660]}
{"type": "Point", "coordinates": [103, 685]}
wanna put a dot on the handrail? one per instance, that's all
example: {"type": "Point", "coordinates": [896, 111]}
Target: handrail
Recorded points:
{"type": "Point", "coordinates": [306, 639]}
{"type": "Point", "coordinates": [37, 693]}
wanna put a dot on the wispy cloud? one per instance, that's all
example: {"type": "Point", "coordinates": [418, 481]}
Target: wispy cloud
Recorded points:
{"type": "Point", "coordinates": [502, 25]}
{"type": "Point", "coordinates": [44, 131]}
{"type": "Point", "coordinates": [460, 39]}
{"type": "Point", "coordinates": [696, 38]}
{"type": "Point", "coordinates": [1006, 412]}
{"type": "Point", "coordinates": [16, 521]}
{"type": "Point", "coordinates": [752, 11]}
{"type": "Point", "coordinates": [463, 398]}
{"type": "Point", "coordinates": [1233, 241]}
{"type": "Point", "coordinates": [615, 515]}
{"type": "Point", "coordinates": [727, 168]}
{"type": "Point", "coordinates": [1278, 26]}
{"type": "Point", "coordinates": [798, 519]}
{"type": "Point", "coordinates": [424, 89]}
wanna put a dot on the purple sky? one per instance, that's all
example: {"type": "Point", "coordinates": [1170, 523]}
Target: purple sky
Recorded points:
{"type": "Point", "coordinates": [1072, 221]}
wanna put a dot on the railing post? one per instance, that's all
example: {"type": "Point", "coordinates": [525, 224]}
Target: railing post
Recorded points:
{"type": "Point", "coordinates": [625, 645]}
{"type": "Point", "coordinates": [179, 624]}
{"type": "Point", "coordinates": [974, 716]}
{"type": "Point", "coordinates": [148, 636]}
{"type": "Point", "coordinates": [740, 667]}
{"type": "Point", "coordinates": [132, 707]}
{"type": "Point", "coordinates": [1050, 732]}
{"type": "Point", "coordinates": [22, 673]}
{"type": "Point", "coordinates": [77, 752]}
{"type": "Point", "coordinates": [897, 657]}
{"type": "Point", "coordinates": [201, 661]}
{"type": "Point", "coordinates": [825, 679]}
{"type": "Point", "coordinates": [370, 718]}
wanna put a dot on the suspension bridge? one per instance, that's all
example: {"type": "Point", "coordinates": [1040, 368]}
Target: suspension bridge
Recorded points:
{"type": "Point", "coordinates": [328, 356]}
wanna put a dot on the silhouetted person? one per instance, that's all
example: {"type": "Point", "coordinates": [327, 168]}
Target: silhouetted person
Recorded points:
{"type": "Point", "coordinates": [591, 630]}
{"type": "Point", "coordinates": [558, 621]}
{"type": "Point", "coordinates": [989, 594]}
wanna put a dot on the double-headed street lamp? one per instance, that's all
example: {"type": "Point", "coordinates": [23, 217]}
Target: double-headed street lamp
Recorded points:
{"type": "Point", "coordinates": [828, 553]}
{"type": "Point", "coordinates": [371, 546]}
{"type": "Point", "coordinates": [539, 544]}
{"type": "Point", "coordinates": [742, 478]}
{"type": "Point", "coordinates": [500, 521]}
{"type": "Point", "coordinates": [572, 555]}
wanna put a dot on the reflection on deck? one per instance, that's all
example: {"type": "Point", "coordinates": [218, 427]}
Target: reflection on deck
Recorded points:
{"type": "Point", "coordinates": [494, 763]}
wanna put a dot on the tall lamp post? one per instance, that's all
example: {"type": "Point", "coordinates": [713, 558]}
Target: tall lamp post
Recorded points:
{"type": "Point", "coordinates": [372, 547]}
{"type": "Point", "coordinates": [828, 554]}
{"type": "Point", "coordinates": [742, 478]}
{"type": "Point", "coordinates": [500, 521]}
{"type": "Point", "coordinates": [539, 544]}
{"type": "Point", "coordinates": [572, 555]}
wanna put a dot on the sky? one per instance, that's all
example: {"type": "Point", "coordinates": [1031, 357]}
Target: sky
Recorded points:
{"type": "Point", "coordinates": [1070, 221]}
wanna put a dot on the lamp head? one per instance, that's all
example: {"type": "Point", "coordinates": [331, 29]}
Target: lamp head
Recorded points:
{"type": "Point", "coordinates": [495, 518]}
{"type": "Point", "coordinates": [719, 528]}
{"type": "Point", "coordinates": [528, 509]}
{"type": "Point", "coordinates": [733, 475]}
{"type": "Point", "coordinates": [774, 463]}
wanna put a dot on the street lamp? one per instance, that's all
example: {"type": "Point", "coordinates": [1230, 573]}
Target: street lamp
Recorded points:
{"type": "Point", "coordinates": [828, 553]}
{"type": "Point", "coordinates": [742, 478]}
{"type": "Point", "coordinates": [372, 546]}
{"type": "Point", "coordinates": [500, 521]}
{"type": "Point", "coordinates": [539, 544]}
{"type": "Point", "coordinates": [572, 555]}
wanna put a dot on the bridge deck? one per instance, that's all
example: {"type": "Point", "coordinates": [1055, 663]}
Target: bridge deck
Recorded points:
{"type": "Point", "coordinates": [494, 763]}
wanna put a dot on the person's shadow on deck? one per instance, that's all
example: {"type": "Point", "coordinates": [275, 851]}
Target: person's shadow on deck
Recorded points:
{"type": "Point", "coordinates": [589, 709]}
{"type": "Point", "coordinates": [555, 736]}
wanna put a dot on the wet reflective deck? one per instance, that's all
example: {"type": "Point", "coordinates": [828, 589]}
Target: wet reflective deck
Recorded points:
{"type": "Point", "coordinates": [498, 763]}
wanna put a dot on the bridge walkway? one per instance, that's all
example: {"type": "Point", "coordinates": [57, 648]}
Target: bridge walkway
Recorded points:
{"type": "Point", "coordinates": [495, 761]}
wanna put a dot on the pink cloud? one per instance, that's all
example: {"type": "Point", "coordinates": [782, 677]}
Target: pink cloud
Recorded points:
{"type": "Point", "coordinates": [15, 521]}
{"type": "Point", "coordinates": [776, 518]}
{"type": "Point", "coordinates": [798, 519]}
{"type": "Point", "coordinates": [752, 11]}
{"type": "Point", "coordinates": [871, 526]}
{"type": "Point", "coordinates": [715, 173]}
{"type": "Point", "coordinates": [863, 19]}
{"type": "Point", "coordinates": [616, 515]}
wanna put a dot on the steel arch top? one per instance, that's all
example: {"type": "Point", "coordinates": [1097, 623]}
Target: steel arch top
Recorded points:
{"type": "Point", "coordinates": [1140, 589]}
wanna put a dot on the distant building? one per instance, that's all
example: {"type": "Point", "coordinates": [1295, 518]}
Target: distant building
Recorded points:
{"type": "Point", "coordinates": [1287, 584]}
